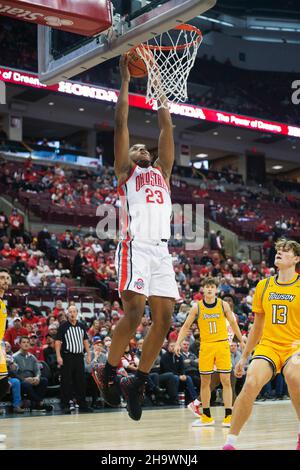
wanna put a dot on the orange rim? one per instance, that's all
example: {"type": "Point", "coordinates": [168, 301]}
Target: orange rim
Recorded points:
{"type": "Point", "coordinates": [183, 27]}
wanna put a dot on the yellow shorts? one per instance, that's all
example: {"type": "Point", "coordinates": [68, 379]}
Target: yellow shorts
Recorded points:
{"type": "Point", "coordinates": [277, 355]}
{"type": "Point", "coordinates": [215, 357]}
{"type": "Point", "coordinates": [3, 368]}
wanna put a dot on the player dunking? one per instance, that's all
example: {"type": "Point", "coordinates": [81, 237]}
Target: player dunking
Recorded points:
{"type": "Point", "coordinates": [5, 281]}
{"type": "Point", "coordinates": [143, 262]}
{"type": "Point", "coordinates": [276, 328]}
{"type": "Point", "coordinates": [211, 314]}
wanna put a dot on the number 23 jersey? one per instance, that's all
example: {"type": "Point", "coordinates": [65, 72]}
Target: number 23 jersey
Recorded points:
{"type": "Point", "coordinates": [146, 207]}
{"type": "Point", "coordinates": [281, 305]}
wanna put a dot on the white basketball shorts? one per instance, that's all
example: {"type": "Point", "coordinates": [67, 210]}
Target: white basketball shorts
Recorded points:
{"type": "Point", "coordinates": [146, 267]}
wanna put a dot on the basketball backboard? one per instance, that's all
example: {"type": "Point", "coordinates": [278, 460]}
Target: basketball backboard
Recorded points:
{"type": "Point", "coordinates": [58, 62]}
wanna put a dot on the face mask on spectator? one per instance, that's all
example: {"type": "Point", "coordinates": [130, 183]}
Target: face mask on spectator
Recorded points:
{"type": "Point", "coordinates": [104, 332]}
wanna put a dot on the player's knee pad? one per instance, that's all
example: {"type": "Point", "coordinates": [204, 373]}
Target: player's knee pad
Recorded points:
{"type": "Point", "coordinates": [4, 387]}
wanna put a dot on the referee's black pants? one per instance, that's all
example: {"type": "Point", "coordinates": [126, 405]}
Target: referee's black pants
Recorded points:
{"type": "Point", "coordinates": [72, 379]}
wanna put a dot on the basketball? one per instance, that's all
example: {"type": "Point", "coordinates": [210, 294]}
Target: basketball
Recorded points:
{"type": "Point", "coordinates": [136, 65]}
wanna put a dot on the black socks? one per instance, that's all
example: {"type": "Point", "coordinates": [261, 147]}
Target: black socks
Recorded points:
{"type": "Point", "coordinates": [206, 412]}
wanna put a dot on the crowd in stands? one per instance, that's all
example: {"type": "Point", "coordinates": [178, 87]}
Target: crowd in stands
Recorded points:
{"type": "Point", "coordinates": [46, 266]}
{"type": "Point", "coordinates": [32, 328]}
{"type": "Point", "coordinates": [72, 196]}
{"type": "Point", "coordinates": [239, 91]}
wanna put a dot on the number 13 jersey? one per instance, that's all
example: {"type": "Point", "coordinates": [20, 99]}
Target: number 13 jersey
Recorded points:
{"type": "Point", "coordinates": [281, 305]}
{"type": "Point", "coordinates": [146, 206]}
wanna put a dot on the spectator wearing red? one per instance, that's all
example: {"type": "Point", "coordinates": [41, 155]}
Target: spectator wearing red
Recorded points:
{"type": "Point", "coordinates": [265, 271]}
{"type": "Point", "coordinates": [262, 227]}
{"type": "Point", "coordinates": [197, 296]}
{"type": "Point", "coordinates": [267, 245]}
{"type": "Point", "coordinates": [30, 319]}
{"type": "Point", "coordinates": [58, 308]}
{"type": "Point", "coordinates": [174, 333]}
{"type": "Point", "coordinates": [32, 262]}
{"type": "Point", "coordinates": [35, 349]}
{"type": "Point", "coordinates": [200, 193]}
{"type": "Point", "coordinates": [42, 328]}
{"type": "Point", "coordinates": [21, 252]}
{"type": "Point", "coordinates": [16, 223]}
{"type": "Point", "coordinates": [6, 252]}
{"type": "Point", "coordinates": [14, 333]}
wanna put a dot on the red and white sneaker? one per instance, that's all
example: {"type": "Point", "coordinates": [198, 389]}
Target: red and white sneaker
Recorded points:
{"type": "Point", "coordinates": [195, 409]}
{"type": "Point", "coordinates": [228, 447]}
{"type": "Point", "coordinates": [298, 444]}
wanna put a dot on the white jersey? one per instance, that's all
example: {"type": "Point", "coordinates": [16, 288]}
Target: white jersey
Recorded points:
{"type": "Point", "coordinates": [146, 206]}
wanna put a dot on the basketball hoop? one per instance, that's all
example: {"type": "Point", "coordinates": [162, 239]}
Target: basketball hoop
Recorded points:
{"type": "Point", "coordinates": [169, 58]}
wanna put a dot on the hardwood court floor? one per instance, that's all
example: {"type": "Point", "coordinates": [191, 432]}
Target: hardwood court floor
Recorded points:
{"type": "Point", "coordinates": [272, 426]}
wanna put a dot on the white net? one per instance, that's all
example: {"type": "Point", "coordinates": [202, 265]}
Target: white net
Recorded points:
{"type": "Point", "coordinates": [169, 58]}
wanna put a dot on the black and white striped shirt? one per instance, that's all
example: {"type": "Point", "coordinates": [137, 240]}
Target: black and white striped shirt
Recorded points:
{"type": "Point", "coordinates": [72, 337]}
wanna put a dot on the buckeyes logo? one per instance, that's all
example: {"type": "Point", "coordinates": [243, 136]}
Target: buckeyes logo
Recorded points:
{"type": "Point", "coordinates": [139, 284]}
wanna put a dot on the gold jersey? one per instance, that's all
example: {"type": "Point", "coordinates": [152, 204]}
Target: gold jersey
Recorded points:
{"type": "Point", "coordinates": [281, 305]}
{"type": "Point", "coordinates": [3, 316]}
{"type": "Point", "coordinates": [212, 322]}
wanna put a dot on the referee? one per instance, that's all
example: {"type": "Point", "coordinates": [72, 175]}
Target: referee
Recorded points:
{"type": "Point", "coordinates": [71, 341]}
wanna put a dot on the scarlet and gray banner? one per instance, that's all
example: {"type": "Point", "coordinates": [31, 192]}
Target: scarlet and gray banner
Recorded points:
{"type": "Point", "coordinates": [87, 17]}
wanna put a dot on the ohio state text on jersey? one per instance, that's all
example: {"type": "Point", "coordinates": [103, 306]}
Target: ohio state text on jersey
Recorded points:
{"type": "Point", "coordinates": [146, 206]}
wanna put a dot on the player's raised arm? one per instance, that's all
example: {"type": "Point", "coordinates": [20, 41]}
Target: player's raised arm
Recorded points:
{"type": "Point", "coordinates": [166, 149]}
{"type": "Point", "coordinates": [185, 328]}
{"type": "Point", "coordinates": [121, 139]}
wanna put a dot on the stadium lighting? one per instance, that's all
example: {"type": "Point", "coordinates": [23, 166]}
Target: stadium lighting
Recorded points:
{"type": "Point", "coordinates": [202, 155]}
{"type": "Point", "coordinates": [213, 20]}
{"type": "Point", "coordinates": [277, 167]}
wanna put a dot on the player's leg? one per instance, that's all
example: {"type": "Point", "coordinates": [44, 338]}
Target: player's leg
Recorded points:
{"type": "Point", "coordinates": [205, 419]}
{"type": "Point", "coordinates": [224, 367]}
{"type": "Point", "coordinates": [4, 389]}
{"type": "Point", "coordinates": [106, 376]}
{"type": "Point", "coordinates": [291, 374]}
{"type": "Point", "coordinates": [195, 405]}
{"type": "Point", "coordinates": [206, 369]}
{"type": "Point", "coordinates": [227, 397]}
{"type": "Point", "coordinates": [162, 309]}
{"type": "Point", "coordinates": [161, 314]}
{"type": "Point", "coordinates": [133, 307]}
{"type": "Point", "coordinates": [205, 391]}
{"type": "Point", "coordinates": [259, 373]}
